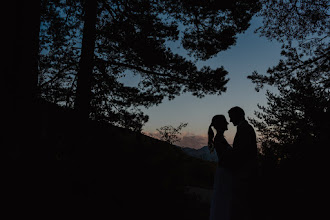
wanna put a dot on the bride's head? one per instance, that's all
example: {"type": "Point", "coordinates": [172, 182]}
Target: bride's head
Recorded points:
{"type": "Point", "coordinates": [220, 124]}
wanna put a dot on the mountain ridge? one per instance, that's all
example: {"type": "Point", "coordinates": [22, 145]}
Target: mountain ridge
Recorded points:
{"type": "Point", "coordinates": [201, 153]}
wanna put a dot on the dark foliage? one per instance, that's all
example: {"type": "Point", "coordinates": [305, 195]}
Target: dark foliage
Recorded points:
{"type": "Point", "coordinates": [299, 107]}
{"type": "Point", "coordinates": [294, 125]}
{"type": "Point", "coordinates": [132, 39]}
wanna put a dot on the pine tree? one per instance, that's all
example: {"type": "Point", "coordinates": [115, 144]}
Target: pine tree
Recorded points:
{"type": "Point", "coordinates": [296, 117]}
{"type": "Point", "coordinates": [132, 38]}
{"type": "Point", "coordinates": [86, 63]}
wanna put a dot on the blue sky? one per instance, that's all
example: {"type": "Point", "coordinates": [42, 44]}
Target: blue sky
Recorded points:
{"type": "Point", "coordinates": [251, 53]}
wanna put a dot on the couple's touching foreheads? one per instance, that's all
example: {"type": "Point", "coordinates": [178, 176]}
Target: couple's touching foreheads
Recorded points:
{"type": "Point", "coordinates": [236, 173]}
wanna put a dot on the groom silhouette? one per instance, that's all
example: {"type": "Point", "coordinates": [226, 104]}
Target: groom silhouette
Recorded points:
{"type": "Point", "coordinates": [242, 161]}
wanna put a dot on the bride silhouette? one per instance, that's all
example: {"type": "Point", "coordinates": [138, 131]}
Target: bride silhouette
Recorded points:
{"type": "Point", "coordinates": [221, 204]}
{"type": "Point", "coordinates": [234, 181]}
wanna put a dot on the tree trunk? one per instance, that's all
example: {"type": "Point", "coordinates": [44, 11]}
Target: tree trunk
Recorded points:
{"type": "Point", "coordinates": [83, 94]}
{"type": "Point", "coordinates": [19, 75]}
{"type": "Point", "coordinates": [35, 47]}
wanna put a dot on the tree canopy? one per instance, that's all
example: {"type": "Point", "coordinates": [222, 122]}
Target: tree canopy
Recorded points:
{"type": "Point", "coordinates": [132, 39]}
{"type": "Point", "coordinates": [297, 114]}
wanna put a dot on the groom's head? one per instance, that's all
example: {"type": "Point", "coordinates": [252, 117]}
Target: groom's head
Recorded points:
{"type": "Point", "coordinates": [236, 115]}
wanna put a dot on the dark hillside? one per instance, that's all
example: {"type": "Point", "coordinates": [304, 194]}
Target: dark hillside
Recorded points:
{"type": "Point", "coordinates": [111, 170]}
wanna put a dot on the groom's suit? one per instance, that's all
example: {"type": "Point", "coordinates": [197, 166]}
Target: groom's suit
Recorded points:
{"type": "Point", "coordinates": [244, 152]}
{"type": "Point", "coordinates": [242, 161]}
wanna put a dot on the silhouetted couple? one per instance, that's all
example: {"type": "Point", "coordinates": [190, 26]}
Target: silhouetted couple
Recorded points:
{"type": "Point", "coordinates": [234, 181]}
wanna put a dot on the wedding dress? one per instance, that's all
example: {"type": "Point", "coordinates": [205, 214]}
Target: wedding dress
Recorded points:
{"type": "Point", "coordinates": [222, 198]}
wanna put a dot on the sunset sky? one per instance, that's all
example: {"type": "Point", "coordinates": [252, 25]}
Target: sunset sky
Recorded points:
{"type": "Point", "coordinates": [251, 53]}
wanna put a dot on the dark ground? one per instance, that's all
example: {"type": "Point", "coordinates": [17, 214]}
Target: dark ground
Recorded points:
{"type": "Point", "coordinates": [109, 171]}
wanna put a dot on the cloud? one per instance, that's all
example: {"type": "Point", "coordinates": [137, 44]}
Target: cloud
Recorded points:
{"type": "Point", "coordinates": [152, 134]}
{"type": "Point", "coordinates": [192, 141]}
{"type": "Point", "coordinates": [197, 141]}
{"type": "Point", "coordinates": [187, 139]}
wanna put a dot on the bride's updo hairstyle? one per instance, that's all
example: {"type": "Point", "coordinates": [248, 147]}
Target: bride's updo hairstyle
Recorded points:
{"type": "Point", "coordinates": [216, 121]}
